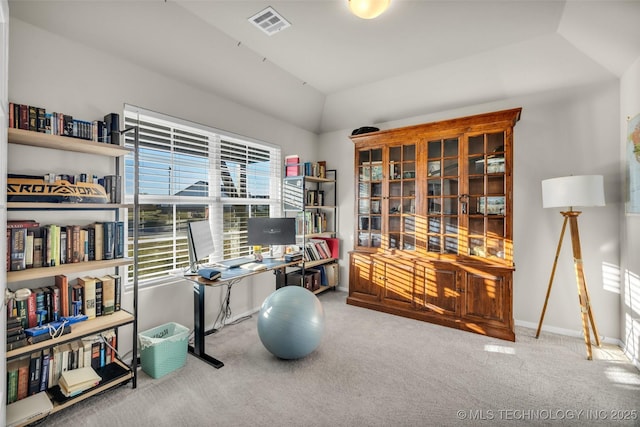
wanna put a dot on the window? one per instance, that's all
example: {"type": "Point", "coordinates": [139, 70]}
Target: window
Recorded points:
{"type": "Point", "coordinates": [177, 161]}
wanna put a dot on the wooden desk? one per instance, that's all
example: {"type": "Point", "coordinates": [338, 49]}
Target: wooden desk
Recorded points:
{"type": "Point", "coordinates": [229, 277]}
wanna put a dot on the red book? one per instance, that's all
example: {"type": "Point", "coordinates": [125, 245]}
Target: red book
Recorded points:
{"type": "Point", "coordinates": [333, 244]}
{"type": "Point", "coordinates": [32, 317]}
{"type": "Point", "coordinates": [62, 283]}
{"type": "Point", "coordinates": [293, 165]}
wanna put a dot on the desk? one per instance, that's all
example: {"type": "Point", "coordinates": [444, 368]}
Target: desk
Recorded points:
{"type": "Point", "coordinates": [229, 277]}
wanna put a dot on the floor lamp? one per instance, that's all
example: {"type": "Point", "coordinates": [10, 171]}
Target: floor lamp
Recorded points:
{"type": "Point", "coordinates": [574, 191]}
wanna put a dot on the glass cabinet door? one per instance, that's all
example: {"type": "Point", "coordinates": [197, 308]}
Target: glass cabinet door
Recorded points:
{"type": "Point", "coordinates": [386, 197]}
{"type": "Point", "coordinates": [401, 207]}
{"type": "Point", "coordinates": [369, 197]}
{"type": "Point", "coordinates": [442, 195]}
{"type": "Point", "coordinates": [466, 195]}
{"type": "Point", "coordinates": [487, 195]}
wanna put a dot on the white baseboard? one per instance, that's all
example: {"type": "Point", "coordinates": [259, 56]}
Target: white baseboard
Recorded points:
{"type": "Point", "coordinates": [566, 332]}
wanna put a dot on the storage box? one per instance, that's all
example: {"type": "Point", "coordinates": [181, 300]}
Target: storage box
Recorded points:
{"type": "Point", "coordinates": [311, 279]}
{"type": "Point", "coordinates": [163, 349]}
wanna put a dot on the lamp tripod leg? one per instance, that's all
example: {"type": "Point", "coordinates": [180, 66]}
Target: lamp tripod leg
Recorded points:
{"type": "Point", "coordinates": [553, 272]}
{"type": "Point", "coordinates": [583, 293]}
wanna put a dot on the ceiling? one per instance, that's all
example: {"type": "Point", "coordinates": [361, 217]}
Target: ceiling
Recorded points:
{"type": "Point", "coordinates": [331, 70]}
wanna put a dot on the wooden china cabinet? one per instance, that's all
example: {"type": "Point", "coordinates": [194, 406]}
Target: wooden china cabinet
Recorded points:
{"type": "Point", "coordinates": [434, 212]}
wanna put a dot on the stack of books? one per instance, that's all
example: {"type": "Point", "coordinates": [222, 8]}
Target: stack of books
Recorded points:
{"type": "Point", "coordinates": [76, 381]}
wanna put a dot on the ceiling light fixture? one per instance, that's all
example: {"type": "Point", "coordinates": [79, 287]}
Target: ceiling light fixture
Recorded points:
{"type": "Point", "coordinates": [368, 9]}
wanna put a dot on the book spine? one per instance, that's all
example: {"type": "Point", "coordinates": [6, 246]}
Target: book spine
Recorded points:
{"type": "Point", "coordinates": [99, 297]}
{"type": "Point", "coordinates": [18, 247]}
{"type": "Point", "coordinates": [34, 373]}
{"type": "Point", "coordinates": [44, 374]}
{"type": "Point", "coordinates": [119, 240]}
{"type": "Point", "coordinates": [117, 286]}
{"type": "Point", "coordinates": [109, 239]}
{"type": "Point", "coordinates": [33, 118]}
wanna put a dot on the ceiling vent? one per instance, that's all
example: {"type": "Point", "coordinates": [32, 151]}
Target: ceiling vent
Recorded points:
{"type": "Point", "coordinates": [269, 21]}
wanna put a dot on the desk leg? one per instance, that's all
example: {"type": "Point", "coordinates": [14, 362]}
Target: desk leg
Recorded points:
{"type": "Point", "coordinates": [198, 328]}
{"type": "Point", "coordinates": [280, 278]}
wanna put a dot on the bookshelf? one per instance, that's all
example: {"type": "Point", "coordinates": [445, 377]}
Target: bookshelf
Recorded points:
{"type": "Point", "coordinates": [116, 372]}
{"type": "Point", "coordinates": [313, 199]}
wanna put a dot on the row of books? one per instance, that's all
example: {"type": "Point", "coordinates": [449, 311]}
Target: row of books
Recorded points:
{"type": "Point", "coordinates": [293, 167]}
{"type": "Point", "coordinates": [43, 369]}
{"type": "Point", "coordinates": [89, 296]}
{"type": "Point", "coordinates": [309, 222]}
{"type": "Point", "coordinates": [314, 198]}
{"type": "Point", "coordinates": [316, 250]}
{"type": "Point", "coordinates": [37, 119]}
{"type": "Point", "coordinates": [30, 245]}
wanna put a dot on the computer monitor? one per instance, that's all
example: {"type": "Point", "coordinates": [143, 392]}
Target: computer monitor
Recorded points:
{"type": "Point", "coordinates": [200, 240]}
{"type": "Point", "coordinates": [271, 231]}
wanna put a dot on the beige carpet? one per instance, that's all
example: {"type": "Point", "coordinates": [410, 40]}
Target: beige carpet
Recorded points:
{"type": "Point", "coordinates": [375, 369]}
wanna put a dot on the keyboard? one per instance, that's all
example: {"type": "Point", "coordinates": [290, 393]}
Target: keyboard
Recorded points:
{"type": "Point", "coordinates": [235, 262]}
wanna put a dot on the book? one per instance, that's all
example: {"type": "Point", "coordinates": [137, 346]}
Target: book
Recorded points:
{"type": "Point", "coordinates": [44, 369]}
{"type": "Point", "coordinates": [64, 250]}
{"type": "Point", "coordinates": [21, 312]}
{"type": "Point", "coordinates": [28, 252]}
{"type": "Point", "coordinates": [77, 245]}
{"type": "Point", "coordinates": [32, 316]}
{"type": "Point", "coordinates": [56, 366]}
{"type": "Point", "coordinates": [27, 409]}
{"type": "Point", "coordinates": [77, 300]}
{"type": "Point", "coordinates": [23, 342]}
{"type": "Point", "coordinates": [37, 247]}
{"type": "Point", "coordinates": [18, 249]}
{"type": "Point", "coordinates": [34, 373]}
{"type": "Point", "coordinates": [108, 294]}
{"type": "Point", "coordinates": [98, 241]}
{"type": "Point", "coordinates": [117, 286]}
{"type": "Point", "coordinates": [88, 285]}
{"type": "Point", "coordinates": [56, 312]}
{"type": "Point", "coordinates": [12, 381]}
{"type": "Point", "coordinates": [62, 283]}
{"type": "Point", "coordinates": [292, 163]}
{"type": "Point", "coordinates": [253, 266]}
{"type": "Point", "coordinates": [78, 380]}
{"type": "Point", "coordinates": [98, 296]}
{"type": "Point", "coordinates": [23, 377]}
{"type": "Point", "coordinates": [109, 239]}
{"type": "Point", "coordinates": [119, 243]}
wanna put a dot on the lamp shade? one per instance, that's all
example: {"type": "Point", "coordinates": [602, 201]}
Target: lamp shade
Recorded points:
{"type": "Point", "coordinates": [573, 191]}
{"type": "Point", "coordinates": [368, 9]}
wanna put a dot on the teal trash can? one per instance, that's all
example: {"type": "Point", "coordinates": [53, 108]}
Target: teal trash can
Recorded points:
{"type": "Point", "coordinates": [163, 349]}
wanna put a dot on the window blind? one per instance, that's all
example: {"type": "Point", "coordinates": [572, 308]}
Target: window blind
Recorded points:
{"type": "Point", "coordinates": [177, 162]}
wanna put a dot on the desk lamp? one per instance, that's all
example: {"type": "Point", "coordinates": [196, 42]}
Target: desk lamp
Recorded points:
{"type": "Point", "coordinates": [570, 192]}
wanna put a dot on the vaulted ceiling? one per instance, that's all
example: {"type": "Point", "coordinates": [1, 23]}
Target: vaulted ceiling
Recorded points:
{"type": "Point", "coordinates": [331, 70]}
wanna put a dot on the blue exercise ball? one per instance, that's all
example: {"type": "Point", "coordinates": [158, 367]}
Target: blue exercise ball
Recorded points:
{"type": "Point", "coordinates": [291, 322]}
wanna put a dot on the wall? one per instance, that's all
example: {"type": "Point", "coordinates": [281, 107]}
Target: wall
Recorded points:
{"type": "Point", "coordinates": [560, 133]}
{"type": "Point", "coordinates": [4, 57]}
{"type": "Point", "coordinates": [630, 225]}
{"type": "Point", "coordinates": [50, 71]}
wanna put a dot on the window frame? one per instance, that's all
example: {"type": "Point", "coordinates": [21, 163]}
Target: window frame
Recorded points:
{"type": "Point", "coordinates": [221, 147]}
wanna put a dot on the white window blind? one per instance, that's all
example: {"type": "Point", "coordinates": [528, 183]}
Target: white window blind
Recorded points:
{"type": "Point", "coordinates": [177, 162]}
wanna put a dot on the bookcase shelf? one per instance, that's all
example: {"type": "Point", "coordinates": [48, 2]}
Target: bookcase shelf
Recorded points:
{"type": "Point", "coordinates": [78, 330]}
{"type": "Point", "coordinates": [316, 196]}
{"type": "Point", "coordinates": [65, 143]}
{"type": "Point", "coordinates": [117, 372]}
{"type": "Point", "coordinates": [34, 206]}
{"type": "Point", "coordinates": [78, 267]}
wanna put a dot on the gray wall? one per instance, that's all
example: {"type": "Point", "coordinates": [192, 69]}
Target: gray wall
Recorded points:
{"type": "Point", "coordinates": [630, 227]}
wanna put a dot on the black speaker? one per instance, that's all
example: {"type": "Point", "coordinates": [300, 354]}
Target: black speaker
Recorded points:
{"type": "Point", "coordinates": [112, 122]}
